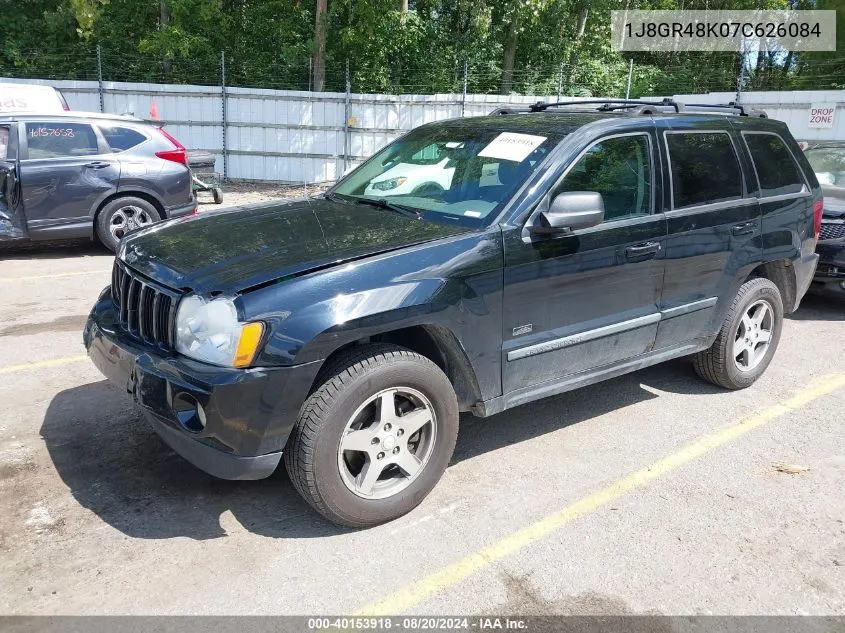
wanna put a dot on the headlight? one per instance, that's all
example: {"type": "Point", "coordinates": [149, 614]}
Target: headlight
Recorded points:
{"type": "Point", "coordinates": [384, 185]}
{"type": "Point", "coordinates": [209, 330]}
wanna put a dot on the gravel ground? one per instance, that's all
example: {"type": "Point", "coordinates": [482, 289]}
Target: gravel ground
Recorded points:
{"type": "Point", "coordinates": [240, 193]}
{"type": "Point", "coordinates": [100, 517]}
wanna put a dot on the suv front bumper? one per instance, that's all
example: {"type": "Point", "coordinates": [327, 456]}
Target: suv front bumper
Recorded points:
{"type": "Point", "coordinates": [829, 279]}
{"type": "Point", "coordinates": [231, 423]}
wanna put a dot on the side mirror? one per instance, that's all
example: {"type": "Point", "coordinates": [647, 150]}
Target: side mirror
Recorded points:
{"type": "Point", "coordinates": [570, 211]}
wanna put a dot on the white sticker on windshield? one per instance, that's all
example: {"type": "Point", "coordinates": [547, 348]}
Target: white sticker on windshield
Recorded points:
{"type": "Point", "coordinates": [472, 214]}
{"type": "Point", "coordinates": [512, 146]}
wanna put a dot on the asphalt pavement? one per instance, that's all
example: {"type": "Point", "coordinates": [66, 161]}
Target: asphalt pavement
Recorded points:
{"type": "Point", "coordinates": [654, 493]}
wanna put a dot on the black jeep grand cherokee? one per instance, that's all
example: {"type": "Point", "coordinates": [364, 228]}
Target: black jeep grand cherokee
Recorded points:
{"type": "Point", "coordinates": [472, 265]}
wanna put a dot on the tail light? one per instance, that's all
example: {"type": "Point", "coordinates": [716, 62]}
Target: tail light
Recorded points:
{"type": "Point", "coordinates": [818, 210]}
{"type": "Point", "coordinates": [178, 155]}
{"type": "Point", "coordinates": [65, 105]}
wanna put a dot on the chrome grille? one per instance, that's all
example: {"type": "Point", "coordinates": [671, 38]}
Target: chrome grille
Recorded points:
{"type": "Point", "coordinates": [146, 310]}
{"type": "Point", "coordinates": [832, 230]}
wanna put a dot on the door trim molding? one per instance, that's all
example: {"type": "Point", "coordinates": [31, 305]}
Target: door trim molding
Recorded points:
{"type": "Point", "coordinates": [557, 386]}
{"type": "Point", "coordinates": [609, 330]}
{"type": "Point", "coordinates": [688, 307]}
{"type": "Point", "coordinates": [583, 337]}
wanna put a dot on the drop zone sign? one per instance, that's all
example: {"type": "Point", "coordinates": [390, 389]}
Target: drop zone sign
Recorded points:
{"type": "Point", "coordinates": [821, 115]}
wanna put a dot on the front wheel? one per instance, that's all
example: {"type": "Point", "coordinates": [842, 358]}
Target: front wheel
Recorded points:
{"type": "Point", "coordinates": [748, 338]}
{"type": "Point", "coordinates": [375, 438]}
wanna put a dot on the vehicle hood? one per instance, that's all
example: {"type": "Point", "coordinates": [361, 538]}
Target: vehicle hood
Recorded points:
{"type": "Point", "coordinates": [232, 250]}
{"type": "Point", "coordinates": [834, 201]}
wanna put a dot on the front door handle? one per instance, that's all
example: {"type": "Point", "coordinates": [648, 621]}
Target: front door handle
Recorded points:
{"type": "Point", "coordinates": [97, 164]}
{"type": "Point", "coordinates": [642, 252]}
{"type": "Point", "coordinates": [746, 228]}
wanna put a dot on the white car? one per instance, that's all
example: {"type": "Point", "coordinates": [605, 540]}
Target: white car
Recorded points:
{"type": "Point", "coordinates": [31, 98]}
{"type": "Point", "coordinates": [414, 179]}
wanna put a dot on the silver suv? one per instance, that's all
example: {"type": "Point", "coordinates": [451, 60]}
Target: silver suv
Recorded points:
{"type": "Point", "coordinates": [77, 174]}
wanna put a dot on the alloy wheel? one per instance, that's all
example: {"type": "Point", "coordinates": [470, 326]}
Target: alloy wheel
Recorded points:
{"type": "Point", "coordinates": [126, 219]}
{"type": "Point", "coordinates": [387, 443]}
{"type": "Point", "coordinates": [753, 335]}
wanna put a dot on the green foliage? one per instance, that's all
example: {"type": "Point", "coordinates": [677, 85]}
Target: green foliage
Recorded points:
{"type": "Point", "coordinates": [270, 43]}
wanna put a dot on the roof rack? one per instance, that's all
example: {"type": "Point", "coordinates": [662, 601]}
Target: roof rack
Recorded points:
{"type": "Point", "coordinates": [635, 107]}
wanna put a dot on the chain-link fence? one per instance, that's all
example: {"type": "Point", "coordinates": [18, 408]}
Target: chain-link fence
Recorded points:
{"type": "Point", "coordinates": [269, 124]}
{"type": "Point", "coordinates": [646, 75]}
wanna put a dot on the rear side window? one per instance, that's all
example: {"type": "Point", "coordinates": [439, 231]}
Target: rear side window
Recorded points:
{"type": "Point", "coordinates": [120, 139]}
{"type": "Point", "coordinates": [776, 169]}
{"type": "Point", "coordinates": [705, 168]}
{"type": "Point", "coordinates": [54, 139]}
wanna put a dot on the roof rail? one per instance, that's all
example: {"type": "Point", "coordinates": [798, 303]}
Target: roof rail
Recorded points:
{"type": "Point", "coordinates": [732, 105]}
{"type": "Point", "coordinates": [634, 107]}
{"type": "Point", "coordinates": [606, 104]}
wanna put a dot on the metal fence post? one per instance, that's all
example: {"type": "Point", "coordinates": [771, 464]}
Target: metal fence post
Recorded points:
{"type": "Point", "coordinates": [346, 120]}
{"type": "Point", "coordinates": [559, 81]}
{"type": "Point", "coordinates": [464, 89]}
{"type": "Point", "coordinates": [630, 75]}
{"type": "Point", "coordinates": [100, 78]}
{"type": "Point", "coordinates": [741, 79]}
{"type": "Point", "coordinates": [225, 118]}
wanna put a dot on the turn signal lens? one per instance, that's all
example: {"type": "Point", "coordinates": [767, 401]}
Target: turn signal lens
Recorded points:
{"type": "Point", "coordinates": [251, 334]}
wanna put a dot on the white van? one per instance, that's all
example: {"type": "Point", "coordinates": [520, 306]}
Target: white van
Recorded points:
{"type": "Point", "coordinates": [31, 98]}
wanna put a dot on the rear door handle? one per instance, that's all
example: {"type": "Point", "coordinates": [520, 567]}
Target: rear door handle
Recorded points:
{"type": "Point", "coordinates": [97, 164]}
{"type": "Point", "coordinates": [746, 228]}
{"type": "Point", "coordinates": [642, 251]}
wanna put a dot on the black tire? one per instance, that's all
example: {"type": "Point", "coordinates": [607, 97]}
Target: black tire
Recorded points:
{"type": "Point", "coordinates": [217, 195]}
{"type": "Point", "coordinates": [311, 454]}
{"type": "Point", "coordinates": [107, 216]}
{"type": "Point", "coordinates": [717, 364]}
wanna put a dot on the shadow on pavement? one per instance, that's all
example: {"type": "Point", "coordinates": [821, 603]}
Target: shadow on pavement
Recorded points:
{"type": "Point", "coordinates": [116, 466]}
{"type": "Point", "coordinates": [51, 250]}
{"type": "Point", "coordinates": [481, 435]}
{"type": "Point", "coordinates": [816, 308]}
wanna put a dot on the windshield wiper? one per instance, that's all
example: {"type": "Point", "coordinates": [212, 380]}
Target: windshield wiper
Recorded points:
{"type": "Point", "coordinates": [381, 203]}
{"type": "Point", "coordinates": [335, 197]}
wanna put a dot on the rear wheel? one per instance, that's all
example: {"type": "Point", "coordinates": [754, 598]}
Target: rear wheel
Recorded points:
{"type": "Point", "coordinates": [122, 215]}
{"type": "Point", "coordinates": [374, 439]}
{"type": "Point", "coordinates": [748, 339]}
{"type": "Point", "coordinates": [217, 194]}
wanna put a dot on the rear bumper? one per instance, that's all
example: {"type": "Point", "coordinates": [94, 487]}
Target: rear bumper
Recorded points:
{"type": "Point", "coordinates": [805, 268]}
{"type": "Point", "coordinates": [231, 423]}
{"type": "Point", "coordinates": [182, 210]}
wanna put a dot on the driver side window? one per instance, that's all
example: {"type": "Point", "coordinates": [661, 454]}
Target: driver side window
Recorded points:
{"type": "Point", "coordinates": [618, 168]}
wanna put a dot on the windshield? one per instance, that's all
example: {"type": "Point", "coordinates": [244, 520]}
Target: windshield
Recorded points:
{"type": "Point", "coordinates": [450, 173]}
{"type": "Point", "coordinates": [829, 165]}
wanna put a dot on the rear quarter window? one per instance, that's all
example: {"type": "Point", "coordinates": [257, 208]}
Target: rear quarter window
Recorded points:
{"type": "Point", "coordinates": [120, 139]}
{"type": "Point", "coordinates": [776, 169]}
{"type": "Point", "coordinates": [54, 139]}
{"type": "Point", "coordinates": [705, 168]}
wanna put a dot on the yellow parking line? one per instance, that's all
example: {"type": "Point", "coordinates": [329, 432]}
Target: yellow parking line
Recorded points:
{"type": "Point", "coordinates": [38, 364]}
{"type": "Point", "coordinates": [415, 593]}
{"type": "Point", "coordinates": [57, 275]}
